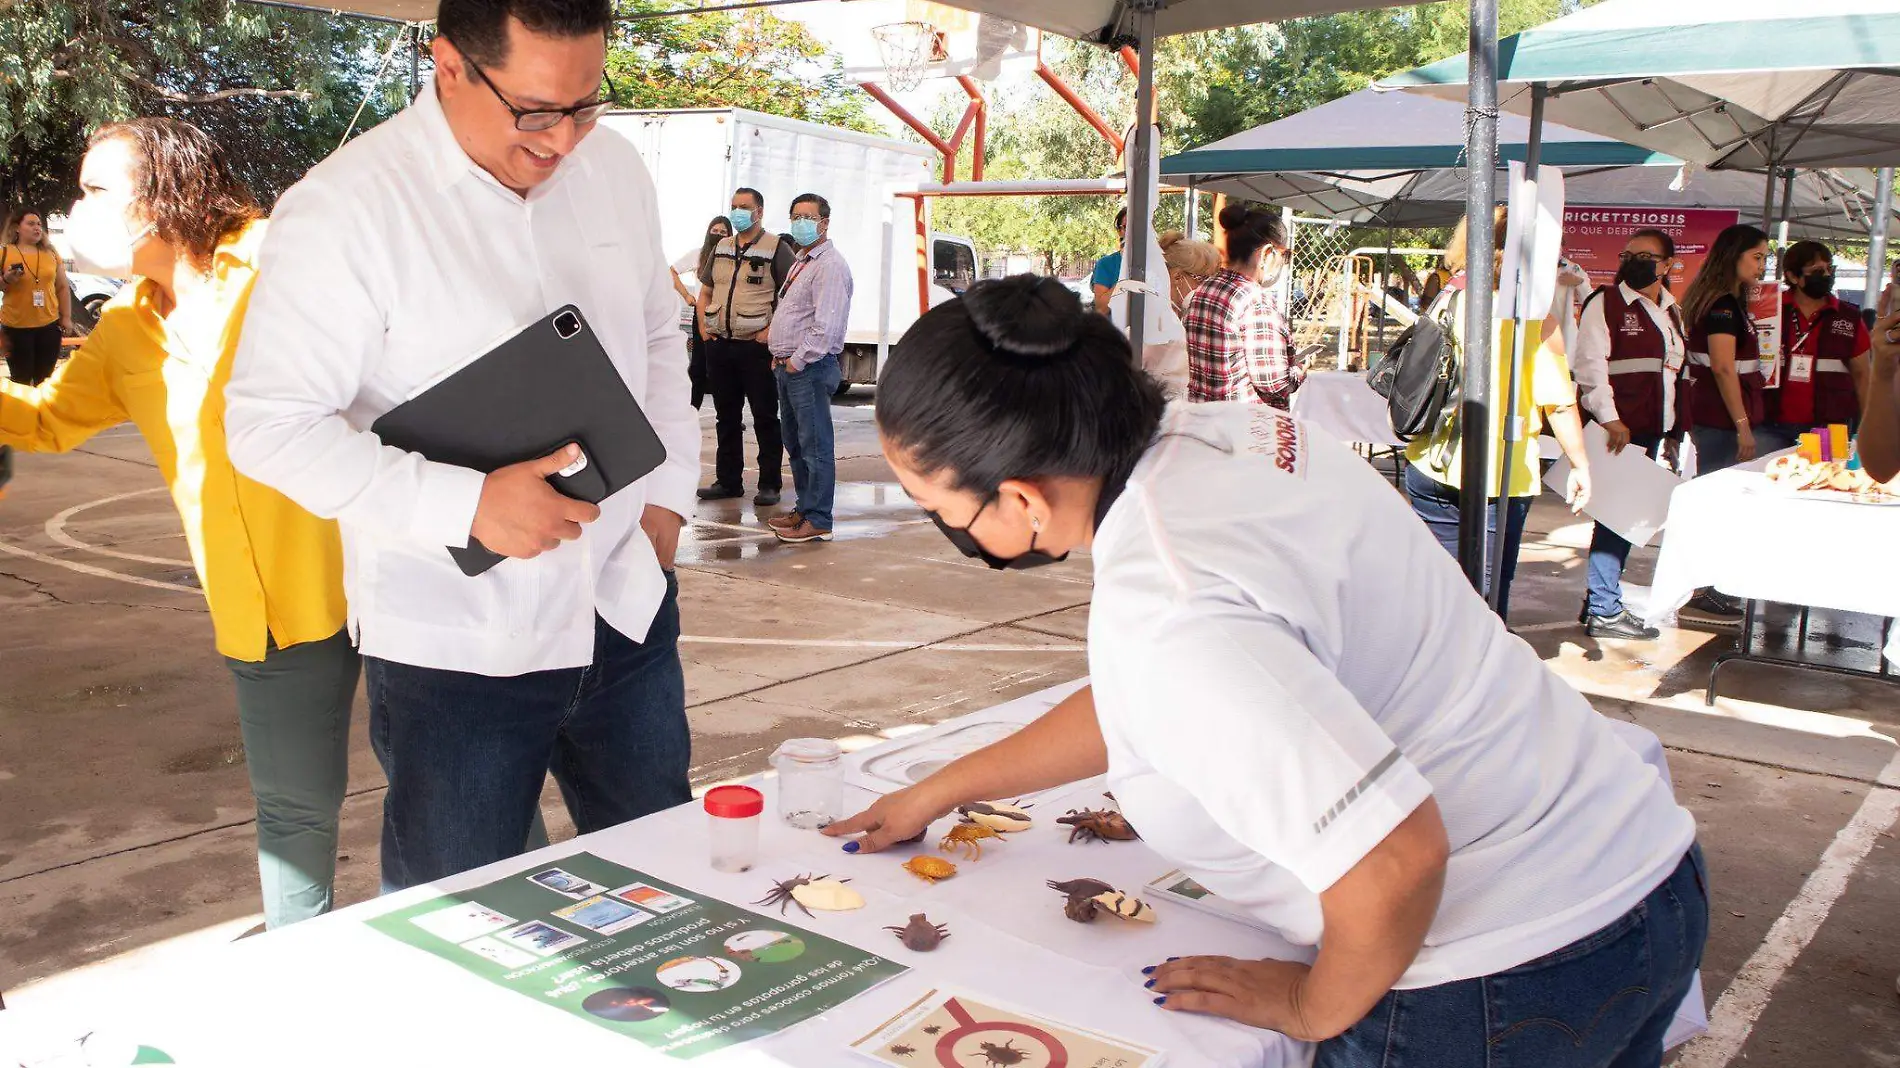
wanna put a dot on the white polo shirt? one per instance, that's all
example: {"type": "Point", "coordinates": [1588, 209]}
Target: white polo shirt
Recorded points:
{"type": "Point", "coordinates": [1286, 665]}
{"type": "Point", "coordinates": [396, 261]}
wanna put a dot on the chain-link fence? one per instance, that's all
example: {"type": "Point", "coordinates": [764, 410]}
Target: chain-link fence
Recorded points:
{"type": "Point", "coordinates": [1350, 290]}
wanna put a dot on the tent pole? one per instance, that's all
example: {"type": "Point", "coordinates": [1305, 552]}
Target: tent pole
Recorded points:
{"type": "Point", "coordinates": [1526, 258]}
{"type": "Point", "coordinates": [1193, 222]}
{"type": "Point", "coordinates": [1385, 285]}
{"type": "Point", "coordinates": [1787, 209]}
{"type": "Point", "coordinates": [415, 62]}
{"type": "Point", "coordinates": [1877, 240]}
{"type": "Point", "coordinates": [1481, 157]}
{"type": "Point", "coordinates": [1140, 152]}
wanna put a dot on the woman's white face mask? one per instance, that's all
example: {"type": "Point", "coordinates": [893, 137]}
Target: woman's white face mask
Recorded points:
{"type": "Point", "coordinates": [103, 229]}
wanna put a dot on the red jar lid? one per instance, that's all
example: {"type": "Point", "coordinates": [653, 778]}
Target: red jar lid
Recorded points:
{"type": "Point", "coordinates": [734, 802]}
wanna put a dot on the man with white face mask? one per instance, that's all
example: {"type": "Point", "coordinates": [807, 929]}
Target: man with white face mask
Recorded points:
{"type": "Point", "coordinates": [488, 204]}
{"type": "Point", "coordinates": [272, 573]}
{"type": "Point", "coordinates": [1240, 347]}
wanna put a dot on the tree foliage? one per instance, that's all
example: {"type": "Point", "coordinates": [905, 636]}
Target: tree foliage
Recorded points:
{"type": "Point", "coordinates": [750, 60]}
{"type": "Point", "coordinates": [278, 87]}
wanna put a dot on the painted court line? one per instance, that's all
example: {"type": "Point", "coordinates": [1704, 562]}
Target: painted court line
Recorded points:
{"type": "Point", "coordinates": [97, 572]}
{"type": "Point", "coordinates": [56, 530]}
{"type": "Point", "coordinates": [1747, 996]}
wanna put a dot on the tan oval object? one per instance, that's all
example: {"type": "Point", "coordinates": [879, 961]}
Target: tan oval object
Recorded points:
{"type": "Point", "coordinates": [1126, 907]}
{"type": "Point", "coordinates": [828, 895]}
{"type": "Point", "coordinates": [997, 816]}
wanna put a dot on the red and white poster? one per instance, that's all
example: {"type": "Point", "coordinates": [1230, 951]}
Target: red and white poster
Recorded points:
{"type": "Point", "coordinates": [1595, 236]}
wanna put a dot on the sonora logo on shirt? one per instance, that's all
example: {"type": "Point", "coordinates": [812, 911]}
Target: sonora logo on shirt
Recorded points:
{"type": "Point", "coordinates": [1281, 440]}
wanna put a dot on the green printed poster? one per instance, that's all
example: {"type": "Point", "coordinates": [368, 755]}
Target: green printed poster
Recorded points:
{"type": "Point", "coordinates": [680, 973]}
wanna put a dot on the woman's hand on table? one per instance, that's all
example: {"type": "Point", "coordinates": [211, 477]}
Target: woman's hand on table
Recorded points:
{"type": "Point", "coordinates": [892, 819]}
{"type": "Point", "coordinates": [1258, 993]}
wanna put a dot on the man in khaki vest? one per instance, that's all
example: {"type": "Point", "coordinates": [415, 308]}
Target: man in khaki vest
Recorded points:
{"type": "Point", "coordinates": [736, 312]}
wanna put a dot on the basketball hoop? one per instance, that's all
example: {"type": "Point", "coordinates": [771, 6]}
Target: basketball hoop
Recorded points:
{"type": "Point", "coordinates": [907, 48]}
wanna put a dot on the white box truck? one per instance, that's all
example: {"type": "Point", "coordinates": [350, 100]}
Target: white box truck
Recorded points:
{"type": "Point", "coordinates": [698, 157]}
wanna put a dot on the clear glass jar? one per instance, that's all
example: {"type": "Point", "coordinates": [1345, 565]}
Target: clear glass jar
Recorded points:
{"type": "Point", "coordinates": [732, 817]}
{"type": "Point", "coordinates": [810, 782]}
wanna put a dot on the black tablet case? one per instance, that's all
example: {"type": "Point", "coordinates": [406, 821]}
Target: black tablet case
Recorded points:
{"type": "Point", "coordinates": [548, 385]}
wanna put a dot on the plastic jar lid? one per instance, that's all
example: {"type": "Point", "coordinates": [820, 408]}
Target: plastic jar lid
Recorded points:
{"type": "Point", "coordinates": [808, 751]}
{"type": "Point", "coordinates": [734, 802]}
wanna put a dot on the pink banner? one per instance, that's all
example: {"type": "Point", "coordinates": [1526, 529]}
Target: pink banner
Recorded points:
{"type": "Point", "coordinates": [1595, 236]}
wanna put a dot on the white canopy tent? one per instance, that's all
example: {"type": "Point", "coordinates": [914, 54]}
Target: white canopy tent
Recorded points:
{"type": "Point", "coordinates": [1396, 159]}
{"type": "Point", "coordinates": [1727, 84]}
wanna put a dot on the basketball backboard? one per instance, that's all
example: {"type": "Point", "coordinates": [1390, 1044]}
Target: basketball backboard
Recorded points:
{"type": "Point", "coordinates": [982, 46]}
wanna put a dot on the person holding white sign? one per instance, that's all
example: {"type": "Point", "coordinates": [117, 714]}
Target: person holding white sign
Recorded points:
{"type": "Point", "coordinates": [1630, 363]}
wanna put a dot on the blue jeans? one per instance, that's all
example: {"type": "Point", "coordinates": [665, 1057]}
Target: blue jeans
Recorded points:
{"type": "Point", "coordinates": [466, 754]}
{"type": "Point", "coordinates": [1715, 449]}
{"type": "Point", "coordinates": [294, 712]}
{"type": "Point", "coordinates": [804, 404]}
{"type": "Point", "coordinates": [1604, 1001]}
{"type": "Point", "coordinates": [1437, 504]}
{"type": "Point", "coordinates": [1609, 552]}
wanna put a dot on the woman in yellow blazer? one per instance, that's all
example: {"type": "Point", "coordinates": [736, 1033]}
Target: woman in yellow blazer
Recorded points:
{"type": "Point", "coordinates": [160, 204]}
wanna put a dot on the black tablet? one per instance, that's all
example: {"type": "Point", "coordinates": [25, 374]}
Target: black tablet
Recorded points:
{"type": "Point", "coordinates": [548, 385]}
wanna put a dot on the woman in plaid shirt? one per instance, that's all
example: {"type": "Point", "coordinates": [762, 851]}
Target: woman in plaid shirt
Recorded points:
{"type": "Point", "coordinates": [1239, 345]}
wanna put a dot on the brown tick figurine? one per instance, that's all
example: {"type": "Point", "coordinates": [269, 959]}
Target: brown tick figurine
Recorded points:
{"type": "Point", "coordinates": [920, 935]}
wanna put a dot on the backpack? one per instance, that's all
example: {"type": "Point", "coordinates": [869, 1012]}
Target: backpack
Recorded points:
{"type": "Point", "coordinates": [1421, 376]}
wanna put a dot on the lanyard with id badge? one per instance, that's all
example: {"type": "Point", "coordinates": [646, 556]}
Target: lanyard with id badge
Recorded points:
{"type": "Point", "coordinates": [1801, 364]}
{"type": "Point", "coordinates": [39, 291]}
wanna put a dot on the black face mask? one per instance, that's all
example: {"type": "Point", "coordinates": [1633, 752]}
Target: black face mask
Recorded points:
{"type": "Point", "coordinates": [1639, 274]}
{"type": "Point", "coordinates": [967, 544]}
{"type": "Point", "coordinates": [1818, 286]}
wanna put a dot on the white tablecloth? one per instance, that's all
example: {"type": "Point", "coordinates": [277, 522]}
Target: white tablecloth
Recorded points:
{"type": "Point", "coordinates": [1341, 404]}
{"type": "Point", "coordinates": [1734, 531]}
{"type": "Point", "coordinates": [332, 991]}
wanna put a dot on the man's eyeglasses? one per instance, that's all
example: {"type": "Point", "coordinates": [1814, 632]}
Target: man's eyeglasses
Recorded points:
{"type": "Point", "coordinates": [538, 120]}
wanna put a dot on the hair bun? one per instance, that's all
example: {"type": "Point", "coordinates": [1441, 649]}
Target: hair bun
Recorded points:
{"type": "Point", "coordinates": [1233, 216]}
{"type": "Point", "coordinates": [1025, 315]}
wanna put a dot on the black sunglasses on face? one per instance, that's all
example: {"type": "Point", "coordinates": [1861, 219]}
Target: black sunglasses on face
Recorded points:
{"type": "Point", "coordinates": [538, 120]}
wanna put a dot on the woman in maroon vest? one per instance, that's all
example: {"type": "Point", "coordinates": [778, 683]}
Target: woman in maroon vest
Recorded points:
{"type": "Point", "coordinates": [1726, 402]}
{"type": "Point", "coordinates": [1630, 363]}
{"type": "Point", "coordinates": [1824, 375]}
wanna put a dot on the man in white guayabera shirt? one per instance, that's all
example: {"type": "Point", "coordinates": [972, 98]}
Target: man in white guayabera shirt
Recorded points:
{"type": "Point", "coordinates": [488, 204]}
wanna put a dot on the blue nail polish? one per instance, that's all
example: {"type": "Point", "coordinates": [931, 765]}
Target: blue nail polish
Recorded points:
{"type": "Point", "coordinates": [1150, 984]}
{"type": "Point", "coordinates": [851, 847]}
{"type": "Point", "coordinates": [1161, 1001]}
{"type": "Point", "coordinates": [1171, 960]}
{"type": "Point", "coordinates": [1148, 970]}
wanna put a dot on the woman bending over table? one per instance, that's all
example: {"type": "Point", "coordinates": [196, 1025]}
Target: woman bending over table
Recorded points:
{"type": "Point", "coordinates": [1298, 699]}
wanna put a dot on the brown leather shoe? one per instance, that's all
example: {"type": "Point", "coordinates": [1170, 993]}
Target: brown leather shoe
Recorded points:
{"type": "Point", "coordinates": [786, 521]}
{"type": "Point", "coordinates": [801, 533]}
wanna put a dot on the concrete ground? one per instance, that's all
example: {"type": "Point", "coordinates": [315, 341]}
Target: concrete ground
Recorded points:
{"type": "Point", "coordinates": [125, 816]}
